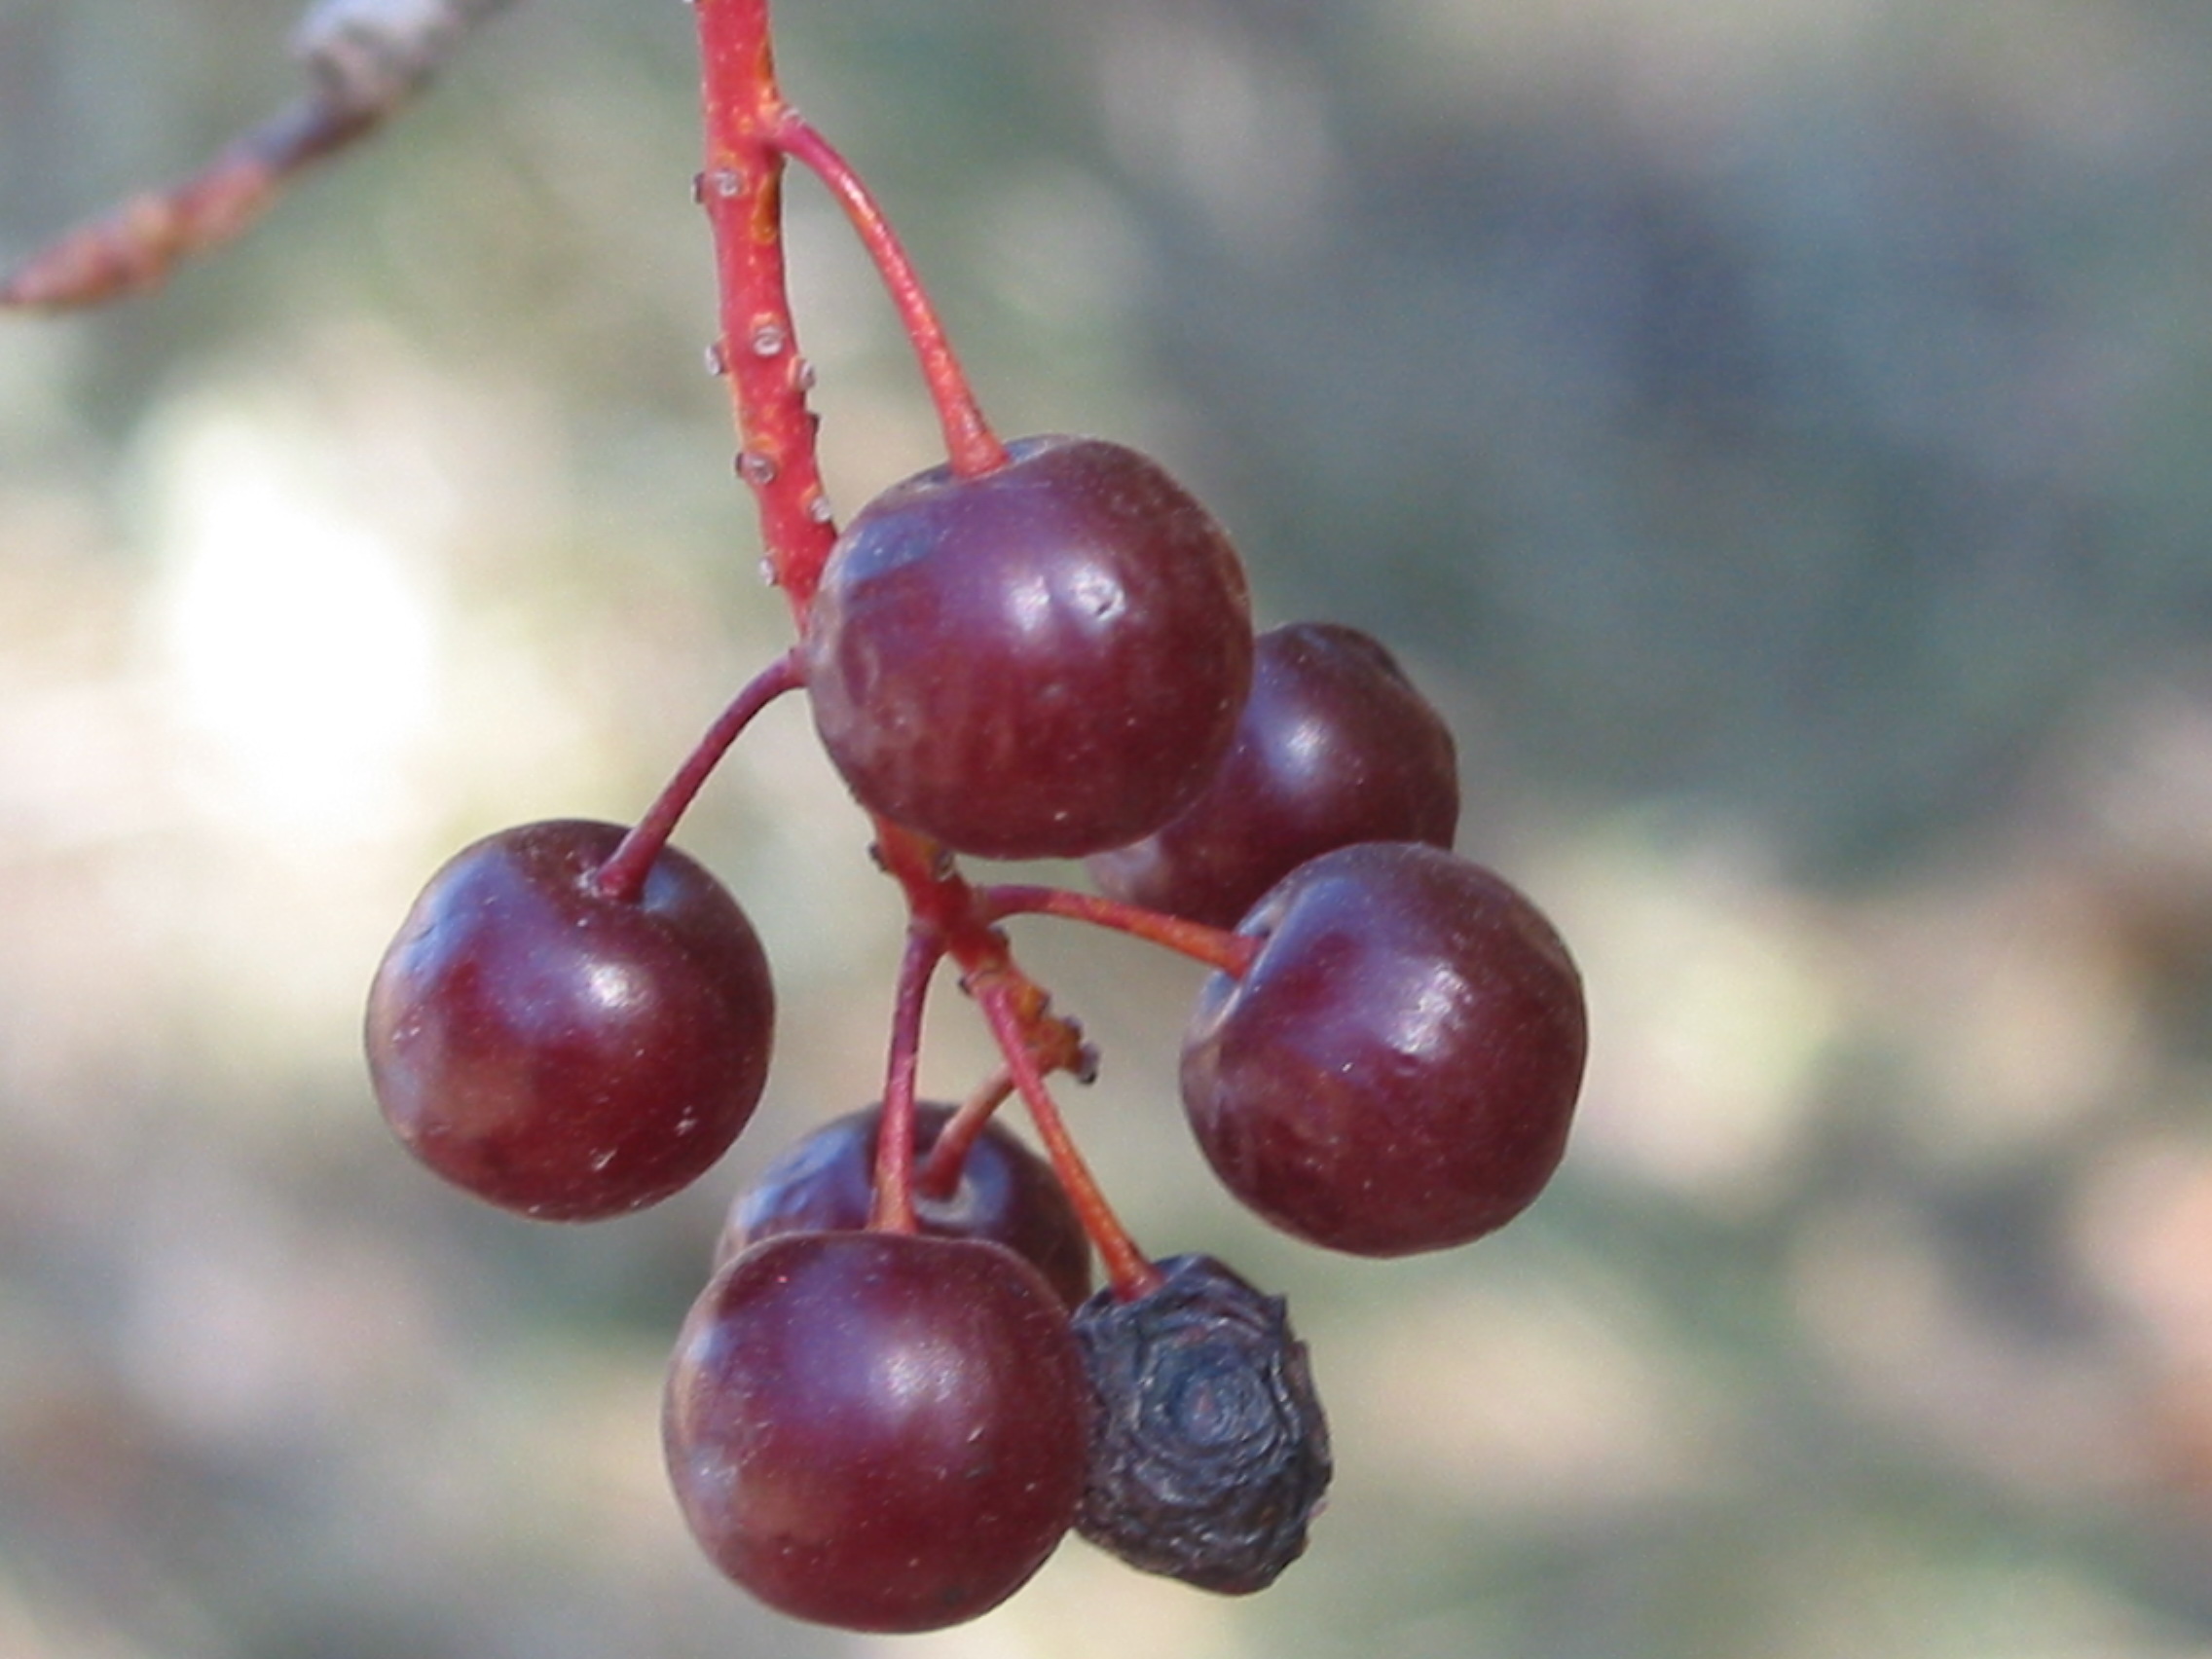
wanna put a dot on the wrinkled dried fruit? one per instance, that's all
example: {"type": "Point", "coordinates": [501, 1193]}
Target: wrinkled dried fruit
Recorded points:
{"type": "Point", "coordinates": [1209, 1453]}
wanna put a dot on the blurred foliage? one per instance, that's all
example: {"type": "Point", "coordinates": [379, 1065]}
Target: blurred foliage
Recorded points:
{"type": "Point", "coordinates": [1774, 431]}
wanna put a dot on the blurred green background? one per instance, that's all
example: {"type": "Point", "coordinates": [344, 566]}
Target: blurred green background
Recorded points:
{"type": "Point", "coordinates": [1778, 434]}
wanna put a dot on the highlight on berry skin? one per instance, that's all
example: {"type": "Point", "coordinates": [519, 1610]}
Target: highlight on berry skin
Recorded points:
{"type": "Point", "coordinates": [560, 1052]}
{"type": "Point", "coordinates": [884, 1431]}
{"type": "Point", "coordinates": [1398, 1068]}
{"type": "Point", "coordinates": [1042, 661]}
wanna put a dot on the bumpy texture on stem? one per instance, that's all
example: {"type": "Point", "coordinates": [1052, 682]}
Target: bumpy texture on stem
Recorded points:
{"type": "Point", "coordinates": [748, 127]}
{"type": "Point", "coordinates": [741, 188]}
{"type": "Point", "coordinates": [1126, 1269]}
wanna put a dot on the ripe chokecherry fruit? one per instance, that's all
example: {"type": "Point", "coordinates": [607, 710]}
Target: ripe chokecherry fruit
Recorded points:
{"type": "Point", "coordinates": [562, 1051]}
{"type": "Point", "coordinates": [826, 1183]}
{"type": "Point", "coordinates": [1397, 1068]}
{"type": "Point", "coordinates": [879, 1430]}
{"type": "Point", "coordinates": [1038, 661]}
{"type": "Point", "coordinates": [1335, 747]}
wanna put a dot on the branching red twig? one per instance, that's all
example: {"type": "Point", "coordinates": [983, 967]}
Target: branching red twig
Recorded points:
{"type": "Point", "coordinates": [750, 128]}
{"type": "Point", "coordinates": [366, 58]}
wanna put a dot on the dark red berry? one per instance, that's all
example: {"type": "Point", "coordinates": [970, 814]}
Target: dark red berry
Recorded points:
{"type": "Point", "coordinates": [1335, 747]}
{"type": "Point", "coordinates": [561, 1052]}
{"type": "Point", "coordinates": [883, 1431]}
{"type": "Point", "coordinates": [826, 1183]}
{"type": "Point", "coordinates": [1397, 1069]}
{"type": "Point", "coordinates": [1209, 1453]}
{"type": "Point", "coordinates": [1038, 661]}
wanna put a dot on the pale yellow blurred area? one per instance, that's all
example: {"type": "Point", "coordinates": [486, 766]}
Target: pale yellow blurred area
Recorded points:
{"type": "Point", "coordinates": [1774, 434]}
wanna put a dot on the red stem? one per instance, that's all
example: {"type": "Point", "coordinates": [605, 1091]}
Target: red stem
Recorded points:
{"type": "Point", "coordinates": [894, 1208]}
{"type": "Point", "coordinates": [1222, 948]}
{"type": "Point", "coordinates": [623, 875]}
{"type": "Point", "coordinates": [1126, 1269]}
{"type": "Point", "coordinates": [972, 448]}
{"type": "Point", "coordinates": [940, 1173]}
{"type": "Point", "coordinates": [742, 191]}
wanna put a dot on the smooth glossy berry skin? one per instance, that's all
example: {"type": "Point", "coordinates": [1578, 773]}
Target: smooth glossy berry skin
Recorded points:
{"type": "Point", "coordinates": [826, 1183]}
{"type": "Point", "coordinates": [560, 1053]}
{"type": "Point", "coordinates": [1335, 747]}
{"type": "Point", "coordinates": [1039, 661]}
{"type": "Point", "coordinates": [1398, 1068]}
{"type": "Point", "coordinates": [882, 1431]}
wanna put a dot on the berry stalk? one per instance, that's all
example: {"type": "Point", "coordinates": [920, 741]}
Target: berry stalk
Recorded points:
{"type": "Point", "coordinates": [1222, 948]}
{"type": "Point", "coordinates": [1128, 1269]}
{"type": "Point", "coordinates": [970, 444]}
{"type": "Point", "coordinates": [623, 875]}
{"type": "Point", "coordinates": [942, 902]}
{"type": "Point", "coordinates": [894, 1210]}
{"type": "Point", "coordinates": [940, 1175]}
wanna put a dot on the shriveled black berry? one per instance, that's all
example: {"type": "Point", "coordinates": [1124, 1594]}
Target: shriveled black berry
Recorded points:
{"type": "Point", "coordinates": [1208, 1451]}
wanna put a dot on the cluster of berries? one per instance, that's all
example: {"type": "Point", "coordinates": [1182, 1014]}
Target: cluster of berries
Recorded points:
{"type": "Point", "coordinates": [900, 1388]}
{"type": "Point", "coordinates": [885, 1412]}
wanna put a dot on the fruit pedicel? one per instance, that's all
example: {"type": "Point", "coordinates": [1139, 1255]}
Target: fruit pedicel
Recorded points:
{"type": "Point", "coordinates": [899, 1390]}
